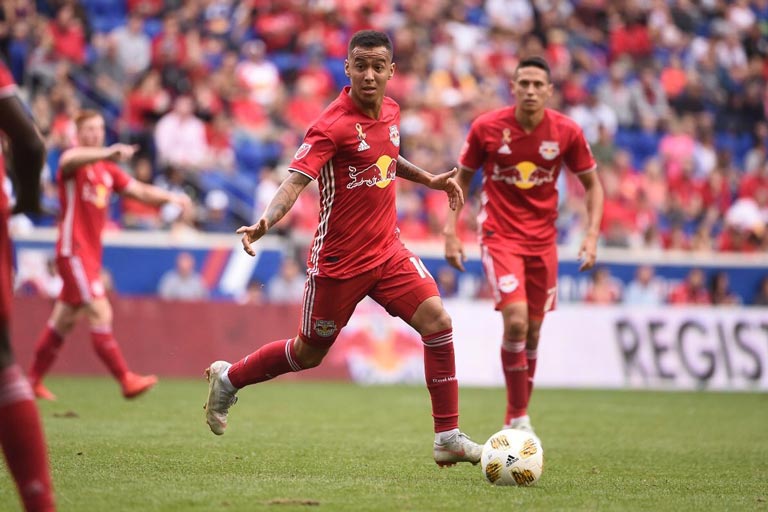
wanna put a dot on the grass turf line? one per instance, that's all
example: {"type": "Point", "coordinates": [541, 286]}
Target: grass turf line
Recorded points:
{"type": "Point", "coordinates": [330, 446]}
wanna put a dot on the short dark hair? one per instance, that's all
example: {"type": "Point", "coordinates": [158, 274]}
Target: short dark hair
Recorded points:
{"type": "Point", "coordinates": [370, 39]}
{"type": "Point", "coordinates": [534, 62]}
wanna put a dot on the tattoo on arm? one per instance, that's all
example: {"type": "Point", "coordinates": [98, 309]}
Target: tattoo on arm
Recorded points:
{"type": "Point", "coordinates": [410, 172]}
{"type": "Point", "coordinates": [285, 197]}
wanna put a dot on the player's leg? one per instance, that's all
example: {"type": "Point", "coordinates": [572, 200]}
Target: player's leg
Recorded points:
{"type": "Point", "coordinates": [21, 432]}
{"type": "Point", "coordinates": [541, 284]}
{"type": "Point", "coordinates": [407, 290]}
{"type": "Point", "coordinates": [327, 306]}
{"type": "Point", "coordinates": [99, 312]}
{"type": "Point", "coordinates": [506, 276]}
{"type": "Point", "coordinates": [75, 292]}
{"type": "Point", "coordinates": [60, 324]}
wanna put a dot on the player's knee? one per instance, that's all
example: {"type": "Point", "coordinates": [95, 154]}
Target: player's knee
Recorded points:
{"type": "Point", "coordinates": [516, 329]}
{"type": "Point", "coordinates": [308, 356]}
{"type": "Point", "coordinates": [440, 322]}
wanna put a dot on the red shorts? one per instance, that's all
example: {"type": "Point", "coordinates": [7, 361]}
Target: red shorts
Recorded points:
{"type": "Point", "coordinates": [521, 278]}
{"type": "Point", "coordinates": [6, 270]}
{"type": "Point", "coordinates": [82, 282]}
{"type": "Point", "coordinates": [400, 285]}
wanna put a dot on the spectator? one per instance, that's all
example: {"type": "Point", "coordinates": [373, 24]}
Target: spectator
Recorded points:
{"type": "Point", "coordinates": [692, 290]}
{"type": "Point", "coordinates": [216, 218]}
{"type": "Point", "coordinates": [259, 76]}
{"type": "Point", "coordinates": [287, 287]}
{"type": "Point", "coordinates": [645, 289]}
{"type": "Point", "coordinates": [253, 295]}
{"type": "Point", "coordinates": [761, 297]}
{"type": "Point", "coordinates": [180, 137]}
{"type": "Point", "coordinates": [604, 289]}
{"type": "Point", "coordinates": [720, 291]}
{"type": "Point", "coordinates": [134, 48]}
{"type": "Point", "coordinates": [183, 282]}
{"type": "Point", "coordinates": [136, 214]}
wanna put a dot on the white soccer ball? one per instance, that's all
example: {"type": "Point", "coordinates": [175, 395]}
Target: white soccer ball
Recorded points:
{"type": "Point", "coordinates": [512, 457]}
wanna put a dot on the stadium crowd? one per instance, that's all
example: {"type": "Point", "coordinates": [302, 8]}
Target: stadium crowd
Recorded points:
{"type": "Point", "coordinates": [670, 93]}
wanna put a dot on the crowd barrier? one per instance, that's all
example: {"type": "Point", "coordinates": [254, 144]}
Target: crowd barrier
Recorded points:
{"type": "Point", "coordinates": [584, 347]}
{"type": "Point", "coordinates": [137, 260]}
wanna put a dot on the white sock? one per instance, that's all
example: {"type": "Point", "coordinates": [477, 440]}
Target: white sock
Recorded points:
{"type": "Point", "coordinates": [226, 382]}
{"type": "Point", "coordinates": [444, 437]}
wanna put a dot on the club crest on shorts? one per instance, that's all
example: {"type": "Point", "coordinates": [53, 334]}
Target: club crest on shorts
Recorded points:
{"type": "Point", "coordinates": [508, 283]}
{"type": "Point", "coordinates": [325, 328]}
{"type": "Point", "coordinates": [549, 149]}
{"type": "Point", "coordinates": [394, 135]}
{"type": "Point", "coordinates": [302, 151]}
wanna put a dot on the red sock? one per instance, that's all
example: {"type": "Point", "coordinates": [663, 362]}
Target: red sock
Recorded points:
{"type": "Point", "coordinates": [268, 362]}
{"type": "Point", "coordinates": [515, 368]}
{"type": "Point", "coordinates": [21, 436]}
{"type": "Point", "coordinates": [48, 346]}
{"type": "Point", "coordinates": [532, 355]}
{"type": "Point", "coordinates": [109, 352]}
{"type": "Point", "coordinates": [440, 372]}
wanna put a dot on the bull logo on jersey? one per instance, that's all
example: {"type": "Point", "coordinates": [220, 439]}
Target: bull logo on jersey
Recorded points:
{"type": "Point", "coordinates": [361, 137]}
{"type": "Point", "coordinates": [549, 149]}
{"type": "Point", "coordinates": [506, 138]}
{"type": "Point", "coordinates": [524, 175]}
{"type": "Point", "coordinates": [394, 135]}
{"type": "Point", "coordinates": [96, 193]}
{"type": "Point", "coordinates": [381, 174]}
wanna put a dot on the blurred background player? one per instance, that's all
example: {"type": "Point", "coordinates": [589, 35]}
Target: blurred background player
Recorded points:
{"type": "Point", "coordinates": [521, 149]}
{"type": "Point", "coordinates": [87, 176]}
{"type": "Point", "coordinates": [21, 433]}
{"type": "Point", "coordinates": [353, 151]}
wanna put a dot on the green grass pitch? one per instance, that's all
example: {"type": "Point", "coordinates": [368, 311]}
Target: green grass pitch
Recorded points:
{"type": "Point", "coordinates": [338, 447]}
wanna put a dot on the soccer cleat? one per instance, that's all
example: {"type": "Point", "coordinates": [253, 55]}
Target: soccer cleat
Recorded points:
{"type": "Point", "coordinates": [522, 423]}
{"type": "Point", "coordinates": [219, 399]}
{"type": "Point", "coordinates": [42, 392]}
{"type": "Point", "coordinates": [134, 385]}
{"type": "Point", "coordinates": [458, 448]}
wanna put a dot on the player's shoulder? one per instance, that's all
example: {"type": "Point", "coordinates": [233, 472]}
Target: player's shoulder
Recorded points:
{"type": "Point", "coordinates": [493, 116]}
{"type": "Point", "coordinates": [330, 118]}
{"type": "Point", "coordinates": [562, 120]}
{"type": "Point", "coordinates": [390, 105]}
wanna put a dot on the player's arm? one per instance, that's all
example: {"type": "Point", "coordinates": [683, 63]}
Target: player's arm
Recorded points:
{"type": "Point", "coordinates": [444, 181]}
{"type": "Point", "coordinates": [594, 200]}
{"type": "Point", "coordinates": [454, 249]}
{"type": "Point", "coordinates": [76, 157]}
{"type": "Point", "coordinates": [281, 204]}
{"type": "Point", "coordinates": [27, 151]}
{"type": "Point", "coordinates": [153, 195]}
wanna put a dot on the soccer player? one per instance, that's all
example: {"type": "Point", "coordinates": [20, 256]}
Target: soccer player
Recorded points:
{"type": "Point", "coordinates": [86, 178]}
{"type": "Point", "coordinates": [521, 150]}
{"type": "Point", "coordinates": [353, 149]}
{"type": "Point", "coordinates": [21, 432]}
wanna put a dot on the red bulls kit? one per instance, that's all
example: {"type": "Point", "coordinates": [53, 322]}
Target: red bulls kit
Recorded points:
{"type": "Point", "coordinates": [520, 172]}
{"type": "Point", "coordinates": [84, 196]}
{"type": "Point", "coordinates": [356, 157]}
{"type": "Point", "coordinates": [356, 250]}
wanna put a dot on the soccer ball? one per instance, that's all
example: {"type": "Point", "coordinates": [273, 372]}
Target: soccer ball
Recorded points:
{"type": "Point", "coordinates": [512, 457]}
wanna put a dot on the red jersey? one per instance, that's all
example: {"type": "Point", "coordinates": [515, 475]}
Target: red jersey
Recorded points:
{"type": "Point", "coordinates": [520, 170]}
{"type": "Point", "coordinates": [84, 196]}
{"type": "Point", "coordinates": [354, 159]}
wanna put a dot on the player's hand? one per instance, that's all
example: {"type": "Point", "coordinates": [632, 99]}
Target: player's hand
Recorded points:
{"type": "Point", "coordinates": [454, 252]}
{"type": "Point", "coordinates": [252, 233]}
{"type": "Point", "coordinates": [588, 253]}
{"type": "Point", "coordinates": [122, 152]}
{"type": "Point", "coordinates": [447, 182]}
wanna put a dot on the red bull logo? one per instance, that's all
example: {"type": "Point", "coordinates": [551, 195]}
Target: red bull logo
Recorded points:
{"type": "Point", "coordinates": [524, 175]}
{"type": "Point", "coordinates": [379, 174]}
